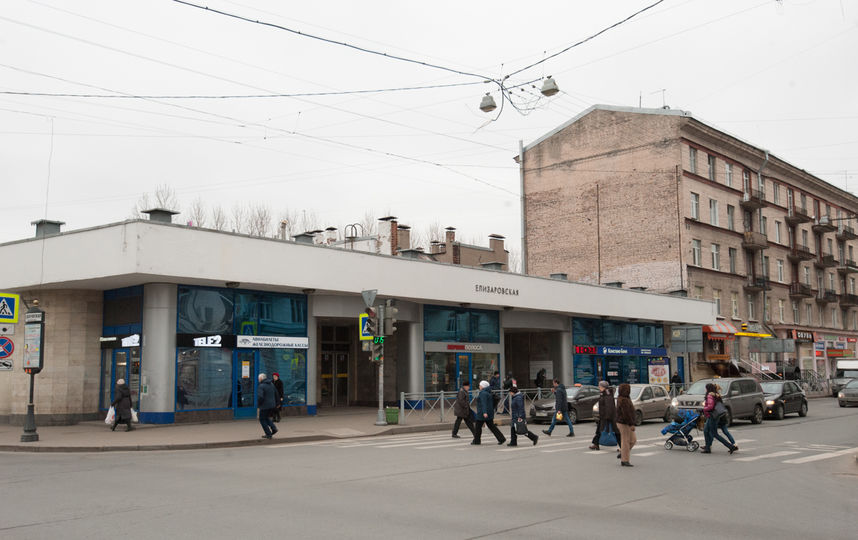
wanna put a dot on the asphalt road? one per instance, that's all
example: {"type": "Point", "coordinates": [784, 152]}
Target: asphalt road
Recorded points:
{"type": "Point", "coordinates": [796, 478]}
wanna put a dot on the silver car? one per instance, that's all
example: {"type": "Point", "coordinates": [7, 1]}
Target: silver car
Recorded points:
{"type": "Point", "coordinates": [650, 400]}
{"type": "Point", "coordinates": [848, 395]}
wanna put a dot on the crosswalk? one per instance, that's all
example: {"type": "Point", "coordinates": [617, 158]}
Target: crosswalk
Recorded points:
{"type": "Point", "coordinates": [788, 452]}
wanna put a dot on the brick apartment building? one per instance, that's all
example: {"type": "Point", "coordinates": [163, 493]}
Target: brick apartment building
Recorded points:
{"type": "Point", "coordinates": [657, 199]}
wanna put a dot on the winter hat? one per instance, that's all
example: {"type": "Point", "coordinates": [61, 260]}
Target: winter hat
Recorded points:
{"type": "Point", "coordinates": [484, 384]}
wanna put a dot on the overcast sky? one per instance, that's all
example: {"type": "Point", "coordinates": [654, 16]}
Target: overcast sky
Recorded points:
{"type": "Point", "coordinates": [781, 75]}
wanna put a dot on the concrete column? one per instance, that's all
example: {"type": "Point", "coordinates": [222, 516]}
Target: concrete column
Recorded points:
{"type": "Point", "coordinates": [415, 358]}
{"type": "Point", "coordinates": [566, 372]}
{"type": "Point", "coordinates": [312, 358]}
{"type": "Point", "coordinates": [158, 355]}
{"type": "Point", "coordinates": [502, 356]}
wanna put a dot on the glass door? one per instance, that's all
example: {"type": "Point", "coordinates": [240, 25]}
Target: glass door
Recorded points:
{"type": "Point", "coordinates": [244, 371]}
{"type": "Point", "coordinates": [463, 370]}
{"type": "Point", "coordinates": [341, 380]}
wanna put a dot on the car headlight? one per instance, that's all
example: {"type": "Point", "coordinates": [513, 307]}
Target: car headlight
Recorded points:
{"type": "Point", "coordinates": [674, 402]}
{"type": "Point", "coordinates": [770, 402]}
{"type": "Point", "coordinates": [841, 395]}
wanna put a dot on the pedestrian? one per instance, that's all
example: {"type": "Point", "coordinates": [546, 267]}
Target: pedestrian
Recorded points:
{"type": "Point", "coordinates": [494, 385]}
{"type": "Point", "coordinates": [507, 385]}
{"type": "Point", "coordinates": [713, 412]}
{"type": "Point", "coordinates": [266, 400]}
{"type": "Point", "coordinates": [796, 374]}
{"type": "Point", "coordinates": [122, 406]}
{"type": "Point", "coordinates": [607, 415]}
{"type": "Point", "coordinates": [561, 409]}
{"type": "Point", "coordinates": [540, 378]}
{"type": "Point", "coordinates": [462, 409]}
{"type": "Point", "coordinates": [518, 418]}
{"type": "Point", "coordinates": [278, 385]}
{"type": "Point", "coordinates": [626, 423]}
{"type": "Point", "coordinates": [486, 415]}
{"type": "Point", "coordinates": [675, 384]}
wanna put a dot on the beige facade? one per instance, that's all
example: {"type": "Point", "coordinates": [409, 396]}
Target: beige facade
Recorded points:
{"type": "Point", "coordinates": [655, 198]}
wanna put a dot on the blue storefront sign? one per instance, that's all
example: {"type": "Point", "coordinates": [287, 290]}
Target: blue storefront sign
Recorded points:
{"type": "Point", "coordinates": [631, 351]}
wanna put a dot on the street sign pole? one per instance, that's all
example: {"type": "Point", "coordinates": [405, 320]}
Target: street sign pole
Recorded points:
{"type": "Point", "coordinates": [381, 421]}
{"type": "Point", "coordinates": [34, 350]}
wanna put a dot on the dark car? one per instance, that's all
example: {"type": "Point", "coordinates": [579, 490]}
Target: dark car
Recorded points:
{"type": "Point", "coordinates": [848, 395]}
{"type": "Point", "coordinates": [742, 396]}
{"type": "Point", "coordinates": [579, 398]}
{"type": "Point", "coordinates": [784, 397]}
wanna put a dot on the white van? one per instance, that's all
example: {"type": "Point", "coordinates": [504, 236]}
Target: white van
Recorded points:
{"type": "Point", "coordinates": [844, 371]}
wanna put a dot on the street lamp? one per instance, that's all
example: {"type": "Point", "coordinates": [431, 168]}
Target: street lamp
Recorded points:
{"type": "Point", "coordinates": [549, 87]}
{"type": "Point", "coordinates": [488, 103]}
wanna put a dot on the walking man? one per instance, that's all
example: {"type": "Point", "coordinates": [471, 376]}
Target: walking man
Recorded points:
{"type": "Point", "coordinates": [518, 418]}
{"type": "Point", "coordinates": [561, 408]}
{"type": "Point", "coordinates": [675, 384]}
{"type": "Point", "coordinates": [266, 400]}
{"type": "Point", "coordinates": [278, 385]}
{"type": "Point", "coordinates": [508, 383]}
{"type": "Point", "coordinates": [462, 409]}
{"type": "Point", "coordinates": [486, 415]}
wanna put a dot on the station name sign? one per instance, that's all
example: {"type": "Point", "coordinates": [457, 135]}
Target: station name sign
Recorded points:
{"type": "Point", "coordinates": [620, 351]}
{"type": "Point", "coordinates": [492, 289]}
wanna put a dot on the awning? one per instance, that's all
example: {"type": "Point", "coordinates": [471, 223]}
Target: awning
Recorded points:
{"type": "Point", "coordinates": [720, 330]}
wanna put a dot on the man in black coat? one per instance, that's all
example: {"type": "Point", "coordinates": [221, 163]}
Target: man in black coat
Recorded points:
{"type": "Point", "coordinates": [607, 414]}
{"type": "Point", "coordinates": [266, 400]}
{"type": "Point", "coordinates": [462, 409]}
{"type": "Point", "coordinates": [122, 406]}
{"type": "Point", "coordinates": [561, 407]}
{"type": "Point", "coordinates": [278, 385]}
{"type": "Point", "coordinates": [486, 414]}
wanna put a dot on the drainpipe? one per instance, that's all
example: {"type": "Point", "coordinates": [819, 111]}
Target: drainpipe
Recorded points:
{"type": "Point", "coordinates": [762, 251]}
{"type": "Point", "coordinates": [523, 211]}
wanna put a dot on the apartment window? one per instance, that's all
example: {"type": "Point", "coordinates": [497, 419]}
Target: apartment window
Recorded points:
{"type": "Point", "coordinates": [760, 183]}
{"type": "Point", "coordinates": [796, 319]}
{"type": "Point", "coordinates": [764, 226]}
{"type": "Point", "coordinates": [731, 256]}
{"type": "Point", "coordinates": [778, 232]}
{"type": "Point", "coordinates": [750, 300]}
{"type": "Point", "coordinates": [780, 271]}
{"type": "Point", "coordinates": [766, 266]}
{"type": "Point", "coordinates": [821, 317]}
{"type": "Point", "coordinates": [803, 199]}
{"type": "Point", "coordinates": [851, 258]}
{"type": "Point", "coordinates": [834, 317]}
{"type": "Point", "coordinates": [711, 160]}
{"type": "Point", "coordinates": [692, 160]}
{"type": "Point", "coordinates": [731, 217]}
{"type": "Point", "coordinates": [746, 181]}
{"type": "Point", "coordinates": [828, 210]}
{"type": "Point", "coordinates": [695, 253]}
{"type": "Point", "coordinates": [781, 310]}
{"type": "Point", "coordinates": [854, 321]}
{"type": "Point", "coordinates": [807, 275]}
{"type": "Point", "coordinates": [831, 281]}
{"type": "Point", "coordinates": [734, 305]}
{"type": "Point", "coordinates": [820, 281]}
{"type": "Point", "coordinates": [804, 239]}
{"type": "Point", "coordinates": [830, 243]}
{"type": "Point", "coordinates": [713, 212]}
{"type": "Point", "coordinates": [852, 285]}
{"type": "Point", "coordinates": [716, 257]}
{"type": "Point", "coordinates": [776, 193]}
{"type": "Point", "coordinates": [809, 314]}
{"type": "Point", "coordinates": [716, 296]}
{"type": "Point", "coordinates": [728, 174]}
{"type": "Point", "coordinates": [767, 311]}
{"type": "Point", "coordinates": [695, 206]}
{"type": "Point", "coordinates": [698, 292]}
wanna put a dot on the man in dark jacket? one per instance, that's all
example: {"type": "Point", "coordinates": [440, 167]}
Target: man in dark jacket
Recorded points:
{"type": "Point", "coordinates": [495, 386]}
{"type": "Point", "coordinates": [607, 414]}
{"type": "Point", "coordinates": [486, 415]}
{"type": "Point", "coordinates": [266, 400]}
{"type": "Point", "coordinates": [122, 406]}
{"type": "Point", "coordinates": [518, 418]}
{"type": "Point", "coordinates": [278, 385]}
{"type": "Point", "coordinates": [508, 383]}
{"type": "Point", "coordinates": [561, 407]}
{"type": "Point", "coordinates": [462, 409]}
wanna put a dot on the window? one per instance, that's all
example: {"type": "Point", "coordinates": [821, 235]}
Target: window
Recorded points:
{"type": "Point", "coordinates": [765, 268]}
{"type": "Point", "coordinates": [716, 296]}
{"type": "Point", "coordinates": [808, 309]}
{"type": "Point", "coordinates": [646, 394]}
{"type": "Point", "coordinates": [834, 317]}
{"type": "Point", "coordinates": [716, 257]}
{"type": "Point", "coordinates": [767, 311]}
{"type": "Point", "coordinates": [695, 206]}
{"type": "Point", "coordinates": [854, 321]}
{"type": "Point", "coordinates": [698, 292]}
{"type": "Point", "coordinates": [731, 255]}
{"type": "Point", "coordinates": [796, 319]}
{"type": "Point", "coordinates": [750, 300]}
{"type": "Point", "coordinates": [803, 199]}
{"type": "Point", "coordinates": [205, 311]}
{"type": "Point", "coordinates": [831, 281]}
{"type": "Point", "coordinates": [830, 244]}
{"type": "Point", "coordinates": [807, 275]}
{"type": "Point", "coordinates": [728, 174]}
{"type": "Point", "coordinates": [731, 217]}
{"type": "Point", "coordinates": [780, 271]}
{"type": "Point", "coordinates": [760, 183]}
{"type": "Point", "coordinates": [734, 305]}
{"type": "Point", "coordinates": [746, 180]}
{"type": "Point", "coordinates": [695, 253]}
{"type": "Point", "coordinates": [204, 379]}
{"type": "Point", "coordinates": [804, 239]}
{"type": "Point", "coordinates": [441, 323]}
{"type": "Point", "coordinates": [692, 160]}
{"type": "Point", "coordinates": [659, 391]}
{"type": "Point", "coordinates": [852, 285]}
{"type": "Point", "coordinates": [776, 193]}
{"type": "Point", "coordinates": [849, 249]}
{"type": "Point", "coordinates": [821, 313]}
{"type": "Point", "coordinates": [781, 310]}
{"type": "Point", "coordinates": [711, 160]}
{"type": "Point", "coordinates": [778, 232]}
{"type": "Point", "coordinates": [764, 226]}
{"type": "Point", "coordinates": [713, 212]}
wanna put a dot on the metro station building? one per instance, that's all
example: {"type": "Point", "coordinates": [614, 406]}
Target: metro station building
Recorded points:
{"type": "Point", "coordinates": [190, 316]}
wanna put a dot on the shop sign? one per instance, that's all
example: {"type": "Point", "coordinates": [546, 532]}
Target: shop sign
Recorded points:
{"type": "Point", "coordinates": [851, 339]}
{"type": "Point", "coordinates": [585, 349]}
{"type": "Point", "coordinates": [620, 351]}
{"type": "Point", "coordinates": [819, 345]}
{"type": "Point", "coordinates": [131, 341]}
{"type": "Point", "coordinates": [803, 336]}
{"type": "Point", "coordinates": [469, 348]}
{"type": "Point", "coordinates": [658, 368]}
{"type": "Point", "coordinates": [208, 341]}
{"type": "Point", "coordinates": [839, 353]}
{"type": "Point", "coordinates": [272, 342]}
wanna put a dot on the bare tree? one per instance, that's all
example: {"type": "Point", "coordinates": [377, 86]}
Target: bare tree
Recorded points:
{"type": "Point", "coordinates": [309, 221]}
{"type": "Point", "coordinates": [198, 213]}
{"type": "Point", "coordinates": [369, 223]}
{"type": "Point", "coordinates": [164, 196]}
{"type": "Point", "coordinates": [141, 204]}
{"type": "Point", "coordinates": [290, 218]}
{"type": "Point", "coordinates": [238, 220]}
{"type": "Point", "coordinates": [219, 218]}
{"type": "Point", "coordinates": [259, 220]}
{"type": "Point", "coordinates": [514, 263]}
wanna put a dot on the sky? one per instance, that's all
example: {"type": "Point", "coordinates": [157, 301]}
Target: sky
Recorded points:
{"type": "Point", "coordinates": [263, 104]}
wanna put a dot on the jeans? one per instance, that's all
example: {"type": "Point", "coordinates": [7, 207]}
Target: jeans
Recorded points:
{"type": "Point", "coordinates": [722, 425]}
{"type": "Point", "coordinates": [265, 420]}
{"type": "Point", "coordinates": [568, 422]}
{"type": "Point", "coordinates": [710, 433]}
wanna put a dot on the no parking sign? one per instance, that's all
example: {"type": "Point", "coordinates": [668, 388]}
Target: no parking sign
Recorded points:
{"type": "Point", "coordinates": [7, 347]}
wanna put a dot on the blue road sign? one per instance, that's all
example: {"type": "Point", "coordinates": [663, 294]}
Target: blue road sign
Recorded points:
{"type": "Point", "coordinates": [6, 347]}
{"type": "Point", "coordinates": [9, 307]}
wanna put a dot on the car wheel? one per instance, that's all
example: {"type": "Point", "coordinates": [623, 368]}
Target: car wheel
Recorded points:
{"type": "Point", "coordinates": [573, 416]}
{"type": "Point", "coordinates": [779, 412]}
{"type": "Point", "coordinates": [841, 403]}
{"type": "Point", "coordinates": [668, 445]}
{"type": "Point", "coordinates": [666, 416]}
{"type": "Point", "coordinates": [758, 415]}
{"type": "Point", "coordinates": [803, 410]}
{"type": "Point", "coordinates": [638, 418]}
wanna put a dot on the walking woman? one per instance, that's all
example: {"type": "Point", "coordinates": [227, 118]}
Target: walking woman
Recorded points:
{"type": "Point", "coordinates": [122, 406]}
{"type": "Point", "coordinates": [713, 413]}
{"type": "Point", "coordinates": [626, 424]}
{"type": "Point", "coordinates": [518, 418]}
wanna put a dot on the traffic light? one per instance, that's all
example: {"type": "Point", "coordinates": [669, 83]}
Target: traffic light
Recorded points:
{"type": "Point", "coordinates": [377, 352]}
{"type": "Point", "coordinates": [371, 323]}
{"type": "Point", "coordinates": [390, 311]}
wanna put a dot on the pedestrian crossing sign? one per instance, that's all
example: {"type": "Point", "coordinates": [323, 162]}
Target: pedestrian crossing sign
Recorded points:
{"type": "Point", "coordinates": [9, 307]}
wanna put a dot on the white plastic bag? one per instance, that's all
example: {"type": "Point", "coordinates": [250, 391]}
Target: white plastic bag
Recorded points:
{"type": "Point", "coordinates": [111, 415]}
{"type": "Point", "coordinates": [134, 416]}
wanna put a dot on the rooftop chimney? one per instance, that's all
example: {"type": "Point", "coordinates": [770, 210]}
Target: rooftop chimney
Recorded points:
{"type": "Point", "coordinates": [46, 227]}
{"type": "Point", "coordinates": [450, 235]}
{"type": "Point", "coordinates": [403, 234]}
{"type": "Point", "coordinates": [304, 237]}
{"type": "Point", "coordinates": [161, 215]}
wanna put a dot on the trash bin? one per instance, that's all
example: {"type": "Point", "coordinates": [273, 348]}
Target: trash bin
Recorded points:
{"type": "Point", "coordinates": [392, 415]}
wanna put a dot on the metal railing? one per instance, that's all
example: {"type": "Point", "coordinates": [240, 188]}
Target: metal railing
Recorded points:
{"type": "Point", "coordinates": [438, 406]}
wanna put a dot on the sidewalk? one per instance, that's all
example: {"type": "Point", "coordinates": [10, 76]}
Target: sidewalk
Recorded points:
{"type": "Point", "coordinates": [97, 437]}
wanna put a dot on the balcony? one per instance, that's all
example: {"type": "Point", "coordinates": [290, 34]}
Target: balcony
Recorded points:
{"type": "Point", "coordinates": [845, 232]}
{"type": "Point", "coordinates": [847, 267]}
{"type": "Point", "coordinates": [849, 299]}
{"type": "Point", "coordinates": [757, 284]}
{"type": "Point", "coordinates": [826, 296]}
{"type": "Point", "coordinates": [753, 199]}
{"type": "Point", "coordinates": [754, 241]}
{"type": "Point", "coordinates": [826, 261]}
{"type": "Point", "coordinates": [798, 215]}
{"type": "Point", "coordinates": [824, 225]}
{"type": "Point", "coordinates": [800, 253]}
{"type": "Point", "coordinates": [800, 290]}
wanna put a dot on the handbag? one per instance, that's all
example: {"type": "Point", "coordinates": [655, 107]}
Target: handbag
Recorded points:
{"type": "Point", "coordinates": [134, 416]}
{"type": "Point", "coordinates": [559, 416]}
{"type": "Point", "coordinates": [520, 426]}
{"type": "Point", "coordinates": [719, 410]}
{"type": "Point", "coordinates": [608, 437]}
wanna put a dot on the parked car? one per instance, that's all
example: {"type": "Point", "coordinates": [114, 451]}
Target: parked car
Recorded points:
{"type": "Point", "coordinates": [579, 398]}
{"type": "Point", "coordinates": [784, 397]}
{"type": "Point", "coordinates": [848, 395]}
{"type": "Point", "coordinates": [650, 400]}
{"type": "Point", "coordinates": [742, 396]}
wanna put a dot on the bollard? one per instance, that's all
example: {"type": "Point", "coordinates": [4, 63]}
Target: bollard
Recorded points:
{"type": "Point", "coordinates": [402, 408]}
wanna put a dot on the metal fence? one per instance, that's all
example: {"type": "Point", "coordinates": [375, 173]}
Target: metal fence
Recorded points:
{"type": "Point", "coordinates": [438, 406]}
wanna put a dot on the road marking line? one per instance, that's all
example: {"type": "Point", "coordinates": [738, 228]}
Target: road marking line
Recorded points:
{"type": "Point", "coordinates": [766, 456]}
{"type": "Point", "coordinates": [819, 457]}
{"type": "Point", "coordinates": [567, 449]}
{"type": "Point", "coordinates": [645, 454]}
{"type": "Point", "coordinates": [828, 447]}
{"type": "Point", "coordinates": [447, 445]}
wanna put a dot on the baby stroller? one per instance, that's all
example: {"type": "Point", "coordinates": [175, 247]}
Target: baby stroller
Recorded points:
{"type": "Point", "coordinates": [680, 430]}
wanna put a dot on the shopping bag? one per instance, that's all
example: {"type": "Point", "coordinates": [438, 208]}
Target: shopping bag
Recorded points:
{"type": "Point", "coordinates": [559, 416]}
{"type": "Point", "coordinates": [520, 426]}
{"type": "Point", "coordinates": [111, 415]}
{"type": "Point", "coordinates": [608, 437]}
{"type": "Point", "coordinates": [134, 416]}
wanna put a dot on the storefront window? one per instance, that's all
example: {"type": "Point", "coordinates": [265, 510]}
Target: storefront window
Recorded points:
{"type": "Point", "coordinates": [586, 331]}
{"type": "Point", "coordinates": [123, 311]}
{"type": "Point", "coordinates": [585, 369]}
{"type": "Point", "coordinates": [484, 327]}
{"type": "Point", "coordinates": [484, 366]}
{"type": "Point", "coordinates": [203, 379]}
{"type": "Point", "coordinates": [460, 325]}
{"type": "Point", "coordinates": [204, 311]}
{"type": "Point", "coordinates": [268, 314]}
{"type": "Point", "coordinates": [440, 372]}
{"type": "Point", "coordinates": [630, 337]}
{"type": "Point", "coordinates": [291, 366]}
